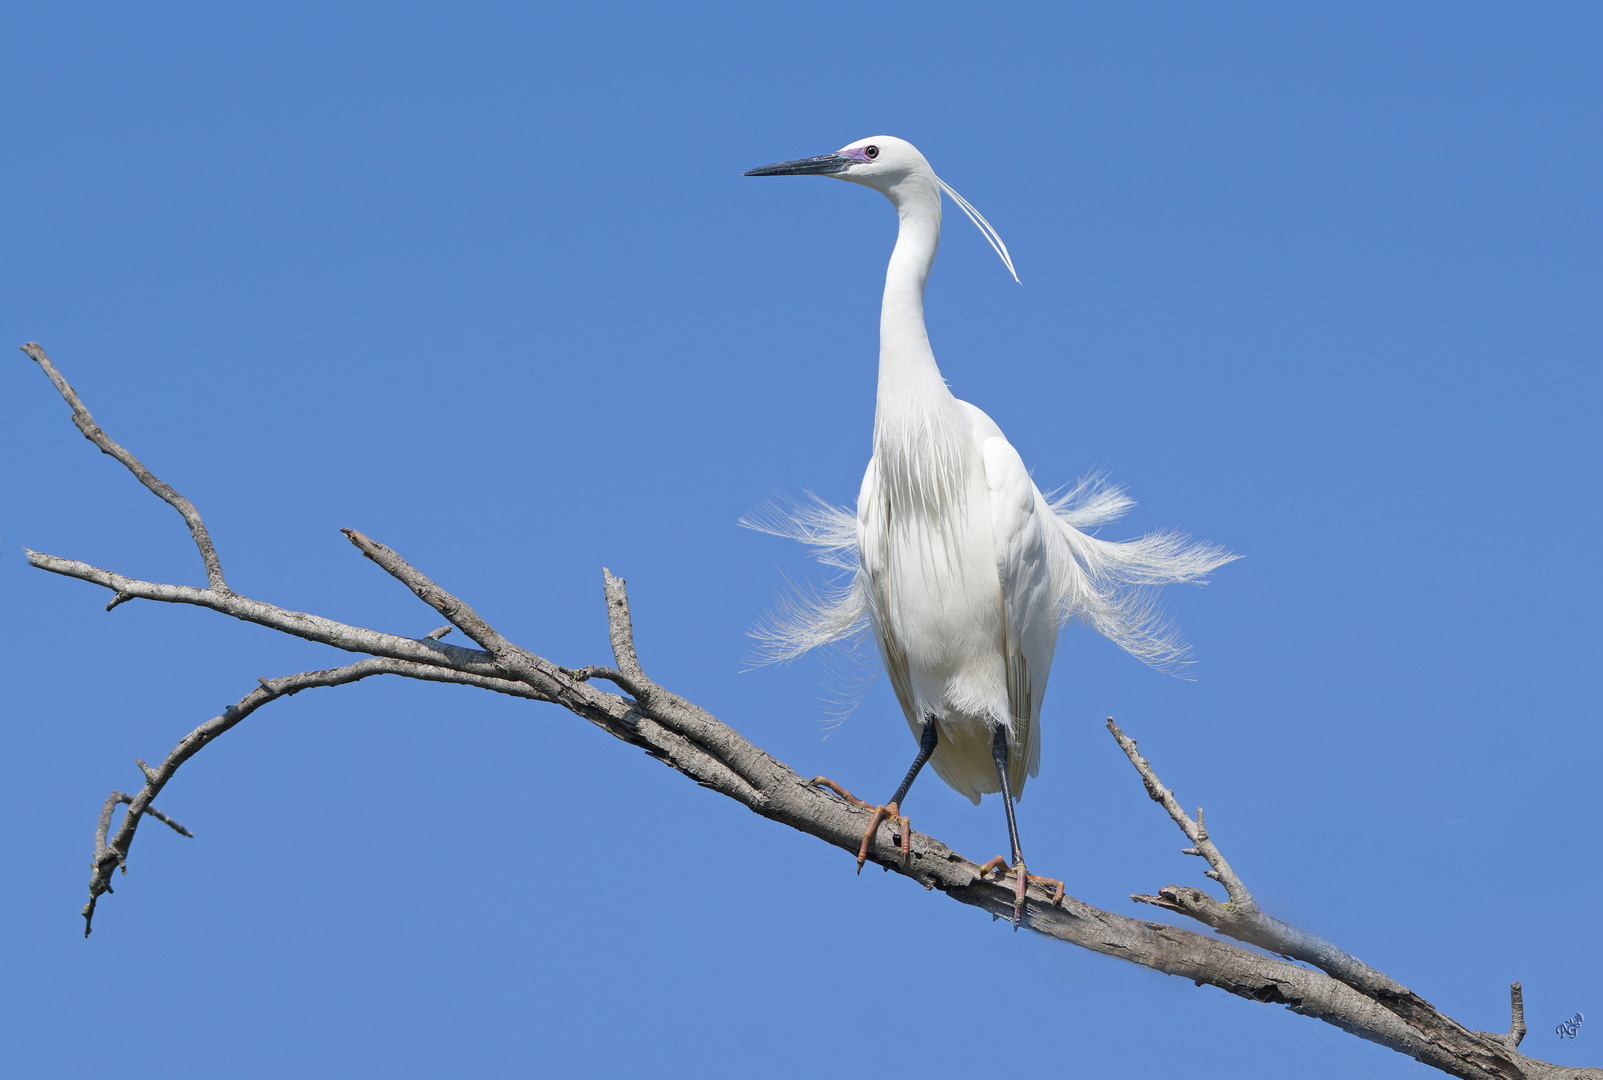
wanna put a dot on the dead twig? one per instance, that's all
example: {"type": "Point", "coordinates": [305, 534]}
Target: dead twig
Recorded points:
{"type": "Point", "coordinates": [93, 432]}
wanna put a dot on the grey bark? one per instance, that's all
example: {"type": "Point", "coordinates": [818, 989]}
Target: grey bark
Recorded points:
{"type": "Point", "coordinates": [1343, 991]}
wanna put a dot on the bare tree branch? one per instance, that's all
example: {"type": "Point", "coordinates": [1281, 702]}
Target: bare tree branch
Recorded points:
{"type": "Point", "coordinates": [1343, 992]}
{"type": "Point", "coordinates": [1240, 899]}
{"type": "Point", "coordinates": [690, 722]}
{"type": "Point", "coordinates": [1241, 919]}
{"type": "Point", "coordinates": [104, 825]}
{"type": "Point", "coordinates": [113, 855]}
{"type": "Point", "coordinates": [1516, 1022]}
{"type": "Point", "coordinates": [295, 623]}
{"type": "Point", "coordinates": [92, 432]}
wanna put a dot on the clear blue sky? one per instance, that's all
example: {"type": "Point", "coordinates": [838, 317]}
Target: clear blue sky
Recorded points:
{"type": "Point", "coordinates": [1319, 283]}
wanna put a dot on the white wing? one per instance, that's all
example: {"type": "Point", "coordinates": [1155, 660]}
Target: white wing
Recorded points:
{"type": "Point", "coordinates": [1023, 528]}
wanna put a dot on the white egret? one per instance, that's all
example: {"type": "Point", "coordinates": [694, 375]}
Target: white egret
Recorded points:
{"type": "Point", "coordinates": [961, 567]}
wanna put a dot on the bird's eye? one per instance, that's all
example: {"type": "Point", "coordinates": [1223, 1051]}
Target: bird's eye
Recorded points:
{"type": "Point", "coordinates": [871, 152]}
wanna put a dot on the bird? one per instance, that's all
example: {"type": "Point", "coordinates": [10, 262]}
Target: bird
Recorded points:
{"type": "Point", "coordinates": [958, 564]}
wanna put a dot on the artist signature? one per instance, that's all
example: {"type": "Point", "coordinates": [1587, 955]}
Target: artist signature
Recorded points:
{"type": "Point", "coordinates": [1568, 1028]}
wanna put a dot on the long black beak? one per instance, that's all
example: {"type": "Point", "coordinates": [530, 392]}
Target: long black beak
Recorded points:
{"type": "Point", "coordinates": [823, 165]}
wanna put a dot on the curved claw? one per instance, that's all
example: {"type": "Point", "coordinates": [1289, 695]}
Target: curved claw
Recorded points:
{"type": "Point", "coordinates": [888, 812]}
{"type": "Point", "coordinates": [874, 819]}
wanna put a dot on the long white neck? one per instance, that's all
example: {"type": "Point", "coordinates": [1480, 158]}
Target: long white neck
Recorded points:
{"type": "Point", "coordinates": [910, 384]}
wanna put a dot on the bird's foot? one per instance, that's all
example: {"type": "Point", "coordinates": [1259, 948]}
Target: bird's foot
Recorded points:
{"type": "Point", "coordinates": [890, 812]}
{"type": "Point", "coordinates": [1021, 883]}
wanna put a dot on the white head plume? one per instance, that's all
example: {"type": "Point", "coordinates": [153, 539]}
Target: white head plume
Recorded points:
{"type": "Point", "coordinates": [984, 226]}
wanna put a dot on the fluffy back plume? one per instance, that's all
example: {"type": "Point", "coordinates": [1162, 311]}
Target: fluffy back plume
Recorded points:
{"type": "Point", "coordinates": [1112, 585]}
{"type": "Point", "coordinates": [1109, 585]}
{"type": "Point", "coordinates": [809, 616]}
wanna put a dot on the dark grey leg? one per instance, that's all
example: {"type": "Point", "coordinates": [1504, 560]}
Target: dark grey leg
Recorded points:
{"type": "Point", "coordinates": [999, 752]}
{"type": "Point", "coordinates": [926, 747]}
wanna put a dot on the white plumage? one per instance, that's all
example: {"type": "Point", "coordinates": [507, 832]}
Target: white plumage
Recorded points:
{"type": "Point", "coordinates": [960, 566]}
